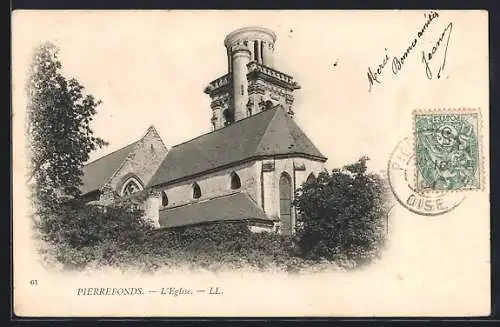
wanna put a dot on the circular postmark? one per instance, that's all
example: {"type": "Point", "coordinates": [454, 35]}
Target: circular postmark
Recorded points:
{"type": "Point", "coordinates": [401, 171]}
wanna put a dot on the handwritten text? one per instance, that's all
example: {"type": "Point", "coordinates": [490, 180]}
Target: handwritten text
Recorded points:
{"type": "Point", "coordinates": [398, 62]}
{"type": "Point", "coordinates": [426, 58]}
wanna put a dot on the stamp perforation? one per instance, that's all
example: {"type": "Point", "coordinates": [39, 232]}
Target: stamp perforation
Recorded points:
{"type": "Point", "coordinates": [441, 111]}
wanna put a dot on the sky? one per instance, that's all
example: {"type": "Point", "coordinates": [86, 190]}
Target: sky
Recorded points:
{"type": "Point", "coordinates": [150, 68]}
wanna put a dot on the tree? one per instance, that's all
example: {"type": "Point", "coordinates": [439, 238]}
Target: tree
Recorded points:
{"type": "Point", "coordinates": [342, 215]}
{"type": "Point", "coordinates": [58, 128]}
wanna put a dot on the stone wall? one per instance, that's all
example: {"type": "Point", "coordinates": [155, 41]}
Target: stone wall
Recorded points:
{"type": "Point", "coordinates": [259, 179]}
{"type": "Point", "coordinates": [142, 162]}
{"type": "Point", "coordinates": [151, 209]}
{"type": "Point", "coordinates": [108, 195]}
{"type": "Point", "coordinates": [259, 228]}
{"type": "Point", "coordinates": [213, 185]}
{"type": "Point", "coordinates": [298, 170]}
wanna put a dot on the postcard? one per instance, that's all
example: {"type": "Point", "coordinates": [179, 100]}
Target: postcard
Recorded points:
{"type": "Point", "coordinates": [281, 163]}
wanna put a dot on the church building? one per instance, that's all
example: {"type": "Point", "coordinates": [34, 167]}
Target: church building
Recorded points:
{"type": "Point", "coordinates": [246, 169]}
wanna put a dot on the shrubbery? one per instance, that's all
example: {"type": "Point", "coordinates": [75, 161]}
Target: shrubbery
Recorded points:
{"type": "Point", "coordinates": [342, 222]}
{"type": "Point", "coordinates": [343, 215]}
{"type": "Point", "coordinates": [116, 236]}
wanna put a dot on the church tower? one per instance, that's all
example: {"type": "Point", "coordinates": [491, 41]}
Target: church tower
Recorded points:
{"type": "Point", "coordinates": [252, 84]}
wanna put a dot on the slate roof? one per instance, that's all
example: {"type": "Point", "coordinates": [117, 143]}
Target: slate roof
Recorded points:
{"type": "Point", "coordinates": [267, 133]}
{"type": "Point", "coordinates": [233, 207]}
{"type": "Point", "coordinates": [97, 172]}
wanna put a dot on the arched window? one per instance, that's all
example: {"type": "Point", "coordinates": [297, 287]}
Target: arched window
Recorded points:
{"type": "Point", "coordinates": [311, 178]}
{"type": "Point", "coordinates": [132, 185]}
{"type": "Point", "coordinates": [285, 190]}
{"type": "Point", "coordinates": [261, 52]}
{"type": "Point", "coordinates": [235, 181]}
{"type": "Point", "coordinates": [164, 198]}
{"type": "Point", "coordinates": [228, 117]}
{"type": "Point", "coordinates": [196, 191]}
{"type": "Point", "coordinates": [268, 105]}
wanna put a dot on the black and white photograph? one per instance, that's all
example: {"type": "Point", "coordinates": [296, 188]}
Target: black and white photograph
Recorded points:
{"type": "Point", "coordinates": [180, 163]}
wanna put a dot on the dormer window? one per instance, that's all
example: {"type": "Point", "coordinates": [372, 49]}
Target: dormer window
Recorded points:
{"type": "Point", "coordinates": [228, 117]}
{"type": "Point", "coordinates": [164, 198]}
{"type": "Point", "coordinates": [235, 181]}
{"type": "Point", "coordinates": [196, 191]}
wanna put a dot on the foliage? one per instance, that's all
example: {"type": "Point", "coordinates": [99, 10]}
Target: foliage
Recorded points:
{"type": "Point", "coordinates": [342, 223]}
{"type": "Point", "coordinates": [58, 123]}
{"type": "Point", "coordinates": [88, 225]}
{"type": "Point", "coordinates": [118, 236]}
{"type": "Point", "coordinates": [342, 215]}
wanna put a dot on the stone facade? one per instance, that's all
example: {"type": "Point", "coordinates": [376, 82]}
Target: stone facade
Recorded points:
{"type": "Point", "coordinates": [252, 84]}
{"type": "Point", "coordinates": [213, 185]}
{"type": "Point", "coordinates": [247, 169]}
{"type": "Point", "coordinates": [139, 166]}
{"type": "Point", "coordinates": [298, 169]}
{"type": "Point", "coordinates": [259, 179]}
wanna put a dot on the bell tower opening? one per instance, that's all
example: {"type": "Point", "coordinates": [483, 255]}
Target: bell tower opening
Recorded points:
{"type": "Point", "coordinates": [251, 78]}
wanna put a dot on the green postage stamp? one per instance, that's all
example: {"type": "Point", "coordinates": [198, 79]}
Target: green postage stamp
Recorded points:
{"type": "Point", "coordinates": [447, 151]}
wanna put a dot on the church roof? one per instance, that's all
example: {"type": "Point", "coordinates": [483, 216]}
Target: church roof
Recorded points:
{"type": "Point", "coordinates": [97, 172]}
{"type": "Point", "coordinates": [268, 133]}
{"type": "Point", "coordinates": [233, 207]}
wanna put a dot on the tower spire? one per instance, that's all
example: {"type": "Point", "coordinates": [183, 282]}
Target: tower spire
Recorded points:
{"type": "Point", "coordinates": [251, 84]}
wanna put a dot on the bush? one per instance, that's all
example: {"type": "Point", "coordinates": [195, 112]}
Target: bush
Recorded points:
{"type": "Point", "coordinates": [341, 220]}
{"type": "Point", "coordinates": [343, 216]}
{"type": "Point", "coordinates": [79, 225]}
{"type": "Point", "coordinates": [91, 235]}
{"type": "Point", "coordinates": [218, 246]}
